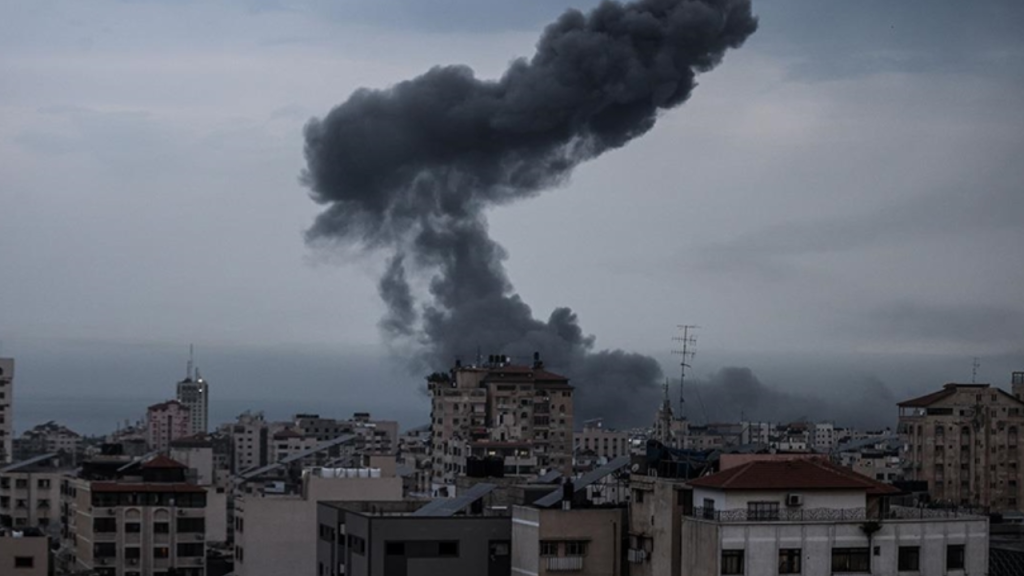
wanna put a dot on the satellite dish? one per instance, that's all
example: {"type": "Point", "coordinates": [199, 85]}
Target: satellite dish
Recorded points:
{"type": "Point", "coordinates": [635, 468]}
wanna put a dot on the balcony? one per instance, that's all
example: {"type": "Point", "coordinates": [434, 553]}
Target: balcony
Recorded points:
{"type": "Point", "coordinates": [830, 514]}
{"type": "Point", "coordinates": [565, 563]}
{"type": "Point", "coordinates": [636, 556]}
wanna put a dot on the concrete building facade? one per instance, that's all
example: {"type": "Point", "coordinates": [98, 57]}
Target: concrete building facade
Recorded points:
{"type": "Point", "coordinates": [500, 402]}
{"type": "Point", "coordinates": [6, 410]}
{"type": "Point", "coordinates": [24, 553]}
{"type": "Point", "coordinates": [166, 422]}
{"type": "Point", "coordinates": [583, 541]}
{"type": "Point", "coordinates": [965, 442]}
{"type": "Point", "coordinates": [141, 520]}
{"type": "Point", "coordinates": [813, 518]}
{"type": "Point", "coordinates": [387, 539]}
{"type": "Point", "coordinates": [604, 443]}
{"type": "Point", "coordinates": [30, 493]}
{"type": "Point", "coordinates": [275, 534]}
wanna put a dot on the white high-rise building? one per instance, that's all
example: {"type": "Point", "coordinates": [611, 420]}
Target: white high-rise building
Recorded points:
{"type": "Point", "coordinates": [6, 410]}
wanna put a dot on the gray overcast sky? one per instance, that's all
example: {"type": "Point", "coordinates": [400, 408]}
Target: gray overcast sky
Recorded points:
{"type": "Point", "coordinates": [843, 193]}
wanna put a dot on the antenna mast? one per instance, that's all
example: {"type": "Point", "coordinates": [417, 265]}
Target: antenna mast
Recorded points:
{"type": "Point", "coordinates": [975, 364]}
{"type": "Point", "coordinates": [688, 345]}
{"type": "Point", "coordinates": [191, 363]}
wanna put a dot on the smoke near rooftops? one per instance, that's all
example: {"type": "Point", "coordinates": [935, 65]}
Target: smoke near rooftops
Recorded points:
{"type": "Point", "coordinates": [408, 172]}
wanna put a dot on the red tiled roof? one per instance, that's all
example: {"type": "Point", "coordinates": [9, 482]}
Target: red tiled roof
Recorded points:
{"type": "Point", "coordinates": [178, 487]}
{"type": "Point", "coordinates": [161, 461]}
{"type": "Point", "coordinates": [929, 399]}
{"type": "Point", "coordinates": [802, 474]}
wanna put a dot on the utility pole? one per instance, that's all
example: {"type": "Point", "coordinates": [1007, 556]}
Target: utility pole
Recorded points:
{"type": "Point", "coordinates": [688, 349]}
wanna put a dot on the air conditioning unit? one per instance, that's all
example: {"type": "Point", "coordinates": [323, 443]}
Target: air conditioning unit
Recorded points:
{"type": "Point", "coordinates": [133, 561]}
{"type": "Point", "coordinates": [794, 499]}
{"type": "Point", "coordinates": [199, 536]}
{"type": "Point", "coordinates": [181, 512]}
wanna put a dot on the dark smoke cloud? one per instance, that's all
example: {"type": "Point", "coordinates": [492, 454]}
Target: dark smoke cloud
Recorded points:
{"type": "Point", "coordinates": [411, 169]}
{"type": "Point", "coordinates": [734, 393]}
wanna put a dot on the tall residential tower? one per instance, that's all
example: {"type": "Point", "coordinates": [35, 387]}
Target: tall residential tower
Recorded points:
{"type": "Point", "coordinates": [194, 394]}
{"type": "Point", "coordinates": [6, 409]}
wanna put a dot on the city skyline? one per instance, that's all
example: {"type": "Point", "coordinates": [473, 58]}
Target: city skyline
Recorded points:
{"type": "Point", "coordinates": [839, 193]}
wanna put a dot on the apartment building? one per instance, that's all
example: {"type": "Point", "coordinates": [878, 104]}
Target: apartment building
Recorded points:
{"type": "Point", "coordinates": [6, 410]}
{"type": "Point", "coordinates": [602, 442]}
{"type": "Point", "coordinates": [30, 493]}
{"type": "Point", "coordinates": [248, 441]}
{"type": "Point", "coordinates": [964, 441]}
{"type": "Point", "coordinates": [275, 521]}
{"type": "Point", "coordinates": [136, 519]}
{"type": "Point", "coordinates": [460, 538]}
{"type": "Point", "coordinates": [166, 422]}
{"type": "Point", "coordinates": [810, 517]}
{"type": "Point", "coordinates": [500, 402]}
{"type": "Point", "coordinates": [47, 438]}
{"type": "Point", "coordinates": [194, 394]}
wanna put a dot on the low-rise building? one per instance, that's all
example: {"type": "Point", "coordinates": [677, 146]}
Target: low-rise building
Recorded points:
{"type": "Point", "coordinates": [24, 552]}
{"type": "Point", "coordinates": [604, 443]}
{"type": "Point", "coordinates": [453, 538]}
{"type": "Point", "coordinates": [47, 438]}
{"type": "Point", "coordinates": [583, 541]}
{"type": "Point", "coordinates": [275, 520]}
{"type": "Point", "coordinates": [811, 517]}
{"type": "Point", "coordinates": [30, 493]}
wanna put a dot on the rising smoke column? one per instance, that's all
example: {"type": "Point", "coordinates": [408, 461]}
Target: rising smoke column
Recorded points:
{"type": "Point", "coordinates": [409, 171]}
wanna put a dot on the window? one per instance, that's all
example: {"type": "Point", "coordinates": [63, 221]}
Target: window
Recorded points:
{"type": "Point", "coordinates": [24, 562]}
{"type": "Point", "coordinates": [161, 552]}
{"type": "Point", "coordinates": [43, 483]}
{"type": "Point", "coordinates": [132, 527]}
{"type": "Point", "coordinates": [499, 548]}
{"type": "Point", "coordinates": [104, 550]}
{"type": "Point", "coordinates": [709, 509]}
{"type": "Point", "coordinates": [638, 496]}
{"type": "Point", "coordinates": [955, 557]}
{"type": "Point", "coordinates": [851, 560]}
{"type": "Point", "coordinates": [762, 511]}
{"type": "Point", "coordinates": [132, 552]}
{"type": "Point", "coordinates": [104, 525]}
{"type": "Point", "coordinates": [909, 559]}
{"type": "Point", "coordinates": [357, 545]}
{"type": "Point", "coordinates": [394, 548]}
{"type": "Point", "coordinates": [732, 561]}
{"type": "Point", "coordinates": [162, 528]}
{"type": "Point", "coordinates": [576, 548]}
{"type": "Point", "coordinates": [549, 548]}
{"type": "Point", "coordinates": [789, 561]}
{"type": "Point", "coordinates": [448, 549]}
{"type": "Point", "coordinates": [197, 525]}
{"type": "Point", "coordinates": [191, 549]}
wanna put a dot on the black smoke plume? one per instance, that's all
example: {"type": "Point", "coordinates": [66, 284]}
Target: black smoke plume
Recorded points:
{"type": "Point", "coordinates": [410, 170]}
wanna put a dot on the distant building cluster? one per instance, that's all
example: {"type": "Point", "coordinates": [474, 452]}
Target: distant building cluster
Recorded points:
{"type": "Point", "coordinates": [503, 481]}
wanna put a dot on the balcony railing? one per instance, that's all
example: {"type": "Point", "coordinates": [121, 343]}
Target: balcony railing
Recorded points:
{"type": "Point", "coordinates": [832, 514]}
{"type": "Point", "coordinates": [782, 515]}
{"type": "Point", "coordinates": [565, 563]}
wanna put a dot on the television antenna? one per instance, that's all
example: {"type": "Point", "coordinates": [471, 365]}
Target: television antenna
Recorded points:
{"type": "Point", "coordinates": [687, 349]}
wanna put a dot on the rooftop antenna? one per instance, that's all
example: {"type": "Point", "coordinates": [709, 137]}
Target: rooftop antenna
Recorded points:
{"type": "Point", "coordinates": [688, 345]}
{"type": "Point", "coordinates": [191, 363]}
{"type": "Point", "coordinates": [974, 370]}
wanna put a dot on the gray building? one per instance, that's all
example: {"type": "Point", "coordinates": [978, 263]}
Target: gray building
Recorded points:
{"type": "Point", "coordinates": [412, 539]}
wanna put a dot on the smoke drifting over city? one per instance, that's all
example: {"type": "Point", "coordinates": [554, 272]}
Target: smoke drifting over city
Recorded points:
{"type": "Point", "coordinates": [409, 172]}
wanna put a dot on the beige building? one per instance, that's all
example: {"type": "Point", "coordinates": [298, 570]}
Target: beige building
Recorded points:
{"type": "Point", "coordinates": [142, 519]}
{"type": "Point", "coordinates": [6, 411]}
{"type": "Point", "coordinates": [964, 441]}
{"type": "Point", "coordinates": [248, 441]}
{"type": "Point", "coordinates": [24, 553]}
{"type": "Point", "coordinates": [166, 422]}
{"type": "Point", "coordinates": [604, 443]}
{"type": "Point", "coordinates": [276, 534]}
{"type": "Point", "coordinates": [584, 541]}
{"type": "Point", "coordinates": [30, 493]}
{"type": "Point", "coordinates": [500, 402]}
